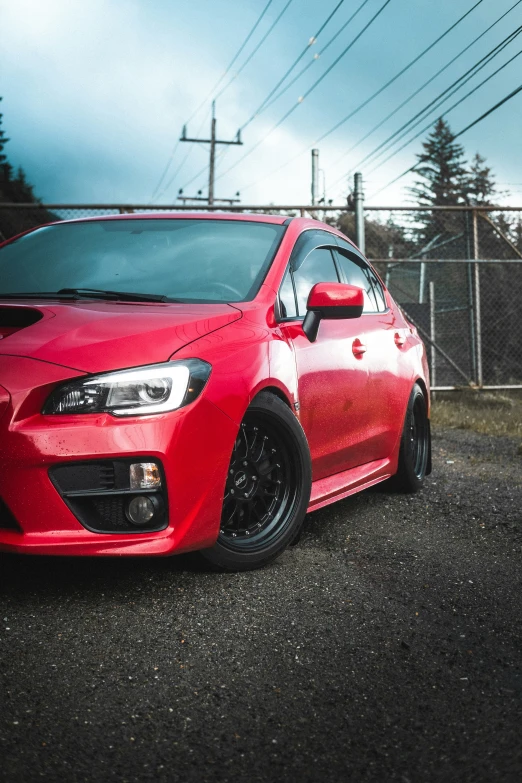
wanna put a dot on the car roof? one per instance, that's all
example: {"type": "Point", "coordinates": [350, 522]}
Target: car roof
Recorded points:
{"type": "Point", "coordinates": [251, 217]}
{"type": "Point", "coordinates": [298, 222]}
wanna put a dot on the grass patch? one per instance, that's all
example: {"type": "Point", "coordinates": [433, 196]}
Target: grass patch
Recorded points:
{"type": "Point", "coordinates": [489, 413]}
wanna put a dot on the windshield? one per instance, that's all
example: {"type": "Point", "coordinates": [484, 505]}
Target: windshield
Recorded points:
{"type": "Point", "coordinates": [188, 260]}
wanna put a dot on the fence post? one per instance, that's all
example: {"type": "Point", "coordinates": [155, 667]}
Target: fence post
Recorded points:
{"type": "Point", "coordinates": [422, 281]}
{"type": "Point", "coordinates": [478, 324]}
{"type": "Point", "coordinates": [358, 197]}
{"type": "Point", "coordinates": [471, 305]}
{"type": "Point", "coordinates": [432, 334]}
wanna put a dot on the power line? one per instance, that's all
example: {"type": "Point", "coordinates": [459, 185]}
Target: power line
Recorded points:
{"type": "Point", "coordinates": [461, 100]}
{"type": "Point", "coordinates": [397, 75]}
{"type": "Point", "coordinates": [457, 84]}
{"type": "Point", "coordinates": [311, 89]}
{"type": "Point", "coordinates": [249, 36]}
{"type": "Point", "coordinates": [289, 71]}
{"type": "Point", "coordinates": [489, 111]}
{"type": "Point", "coordinates": [247, 39]}
{"type": "Point", "coordinates": [426, 83]}
{"type": "Point", "coordinates": [471, 124]}
{"type": "Point", "coordinates": [165, 170]}
{"type": "Point", "coordinates": [375, 94]}
{"type": "Point", "coordinates": [256, 49]}
{"type": "Point", "coordinates": [316, 57]}
{"type": "Point", "coordinates": [173, 177]}
{"type": "Point", "coordinates": [434, 104]}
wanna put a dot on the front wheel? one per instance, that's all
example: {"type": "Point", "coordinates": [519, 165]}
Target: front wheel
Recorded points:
{"type": "Point", "coordinates": [415, 448]}
{"type": "Point", "coordinates": [267, 489]}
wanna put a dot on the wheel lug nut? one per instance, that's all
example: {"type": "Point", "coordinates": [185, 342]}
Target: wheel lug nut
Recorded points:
{"type": "Point", "coordinates": [245, 463]}
{"type": "Point", "coordinates": [254, 478]}
{"type": "Point", "coordinates": [246, 494]}
{"type": "Point", "coordinates": [232, 491]}
{"type": "Point", "coordinates": [231, 472]}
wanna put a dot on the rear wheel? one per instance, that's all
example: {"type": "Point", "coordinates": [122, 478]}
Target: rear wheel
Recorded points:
{"type": "Point", "coordinates": [267, 489]}
{"type": "Point", "coordinates": [414, 455]}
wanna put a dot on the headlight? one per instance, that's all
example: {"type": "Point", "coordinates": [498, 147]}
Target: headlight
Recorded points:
{"type": "Point", "coordinates": [138, 392]}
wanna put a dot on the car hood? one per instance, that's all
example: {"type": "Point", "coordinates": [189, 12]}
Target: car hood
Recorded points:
{"type": "Point", "coordinates": [94, 336]}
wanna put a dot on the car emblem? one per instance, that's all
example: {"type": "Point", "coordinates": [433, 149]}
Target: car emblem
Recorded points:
{"type": "Point", "coordinates": [240, 479]}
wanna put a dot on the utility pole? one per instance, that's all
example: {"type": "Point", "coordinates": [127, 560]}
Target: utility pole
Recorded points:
{"type": "Point", "coordinates": [358, 197]}
{"type": "Point", "coordinates": [212, 141]}
{"type": "Point", "coordinates": [315, 175]}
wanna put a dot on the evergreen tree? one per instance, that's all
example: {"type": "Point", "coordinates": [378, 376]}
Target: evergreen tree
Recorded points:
{"type": "Point", "coordinates": [18, 190]}
{"type": "Point", "coordinates": [5, 168]}
{"type": "Point", "coordinates": [22, 190]}
{"type": "Point", "coordinates": [444, 176]}
{"type": "Point", "coordinates": [481, 191]}
{"type": "Point", "coordinates": [441, 168]}
{"type": "Point", "coordinates": [480, 184]}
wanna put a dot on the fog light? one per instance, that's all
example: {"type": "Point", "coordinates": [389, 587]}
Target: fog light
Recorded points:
{"type": "Point", "coordinates": [140, 510]}
{"type": "Point", "coordinates": [145, 475]}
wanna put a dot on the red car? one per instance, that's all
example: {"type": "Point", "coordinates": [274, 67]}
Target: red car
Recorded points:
{"type": "Point", "coordinates": [182, 382]}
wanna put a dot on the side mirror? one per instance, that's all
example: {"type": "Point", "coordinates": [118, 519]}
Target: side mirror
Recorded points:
{"type": "Point", "coordinates": [331, 301]}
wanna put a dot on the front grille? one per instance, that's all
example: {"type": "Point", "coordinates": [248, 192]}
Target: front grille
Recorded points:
{"type": "Point", "coordinates": [107, 476]}
{"type": "Point", "coordinates": [90, 476]}
{"type": "Point", "coordinates": [7, 520]}
{"type": "Point", "coordinates": [111, 512]}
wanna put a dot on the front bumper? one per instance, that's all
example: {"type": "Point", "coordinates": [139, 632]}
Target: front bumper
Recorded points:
{"type": "Point", "coordinates": [193, 445]}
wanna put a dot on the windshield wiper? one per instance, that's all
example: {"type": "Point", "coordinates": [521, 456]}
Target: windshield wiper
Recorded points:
{"type": "Point", "coordinates": [72, 294]}
{"type": "Point", "coordinates": [122, 296]}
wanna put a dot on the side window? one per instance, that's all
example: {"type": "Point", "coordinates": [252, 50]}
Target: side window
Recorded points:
{"type": "Point", "coordinates": [359, 273]}
{"type": "Point", "coordinates": [317, 267]}
{"type": "Point", "coordinates": [378, 291]}
{"type": "Point", "coordinates": [287, 297]}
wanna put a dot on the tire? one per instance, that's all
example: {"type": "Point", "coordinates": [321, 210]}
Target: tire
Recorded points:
{"type": "Point", "coordinates": [415, 448]}
{"type": "Point", "coordinates": [267, 490]}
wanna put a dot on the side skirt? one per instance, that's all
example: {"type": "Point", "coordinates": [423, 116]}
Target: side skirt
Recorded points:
{"type": "Point", "coordinates": [341, 485]}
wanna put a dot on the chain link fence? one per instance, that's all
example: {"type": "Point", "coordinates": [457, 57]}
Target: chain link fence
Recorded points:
{"type": "Point", "coordinates": [456, 272]}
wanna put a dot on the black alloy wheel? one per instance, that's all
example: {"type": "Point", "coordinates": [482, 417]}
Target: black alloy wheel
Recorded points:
{"type": "Point", "coordinates": [415, 449]}
{"type": "Point", "coordinates": [267, 487]}
{"type": "Point", "coordinates": [418, 434]}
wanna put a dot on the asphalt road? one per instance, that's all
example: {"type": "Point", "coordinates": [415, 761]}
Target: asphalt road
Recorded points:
{"type": "Point", "coordinates": [385, 646]}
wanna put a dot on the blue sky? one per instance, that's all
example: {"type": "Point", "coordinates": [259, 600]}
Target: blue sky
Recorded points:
{"type": "Point", "coordinates": [95, 94]}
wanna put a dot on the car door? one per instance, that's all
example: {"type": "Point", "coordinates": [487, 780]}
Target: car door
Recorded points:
{"type": "Point", "coordinates": [332, 375]}
{"type": "Point", "coordinates": [383, 342]}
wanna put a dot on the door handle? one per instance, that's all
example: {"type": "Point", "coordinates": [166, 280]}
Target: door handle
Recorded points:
{"type": "Point", "coordinates": [399, 340]}
{"type": "Point", "coordinates": [358, 348]}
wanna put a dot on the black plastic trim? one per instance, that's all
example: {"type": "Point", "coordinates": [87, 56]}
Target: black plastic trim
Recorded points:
{"type": "Point", "coordinates": [81, 501]}
{"type": "Point", "coordinates": [8, 519]}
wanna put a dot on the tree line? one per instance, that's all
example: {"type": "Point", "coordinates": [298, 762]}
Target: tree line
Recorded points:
{"type": "Point", "coordinates": [14, 188]}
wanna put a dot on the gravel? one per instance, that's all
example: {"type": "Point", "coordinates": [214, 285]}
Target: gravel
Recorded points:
{"type": "Point", "coordinates": [385, 646]}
